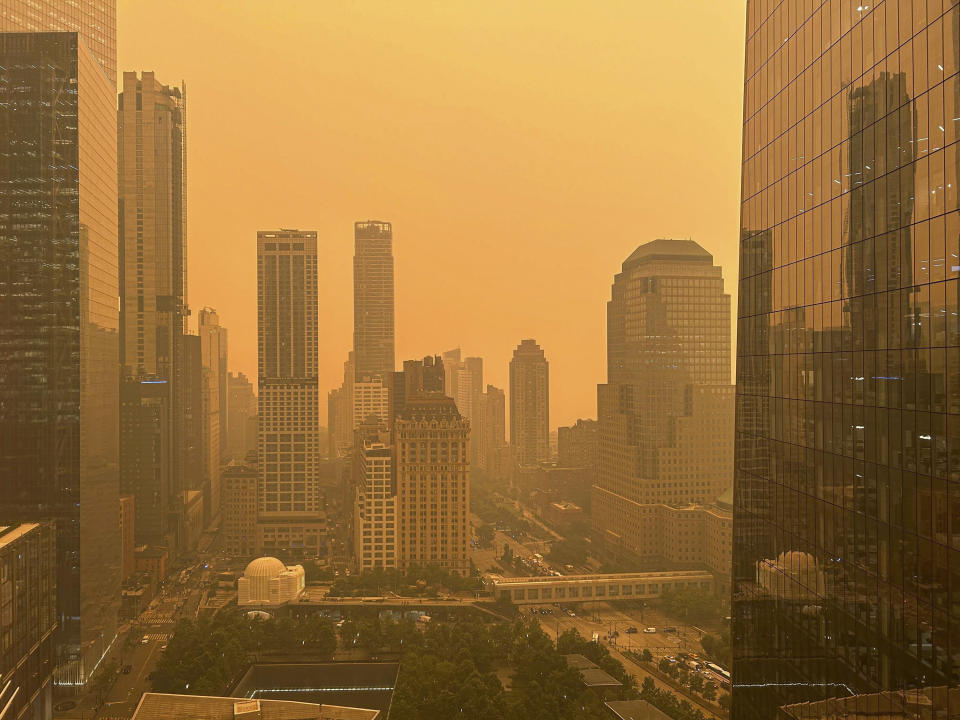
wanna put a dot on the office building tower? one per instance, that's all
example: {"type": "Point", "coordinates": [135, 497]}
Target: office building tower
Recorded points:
{"type": "Point", "coordinates": [242, 416]}
{"type": "Point", "coordinates": [417, 376]}
{"type": "Point", "coordinates": [373, 302]}
{"type": "Point", "coordinates": [451, 359]}
{"type": "Point", "coordinates": [375, 501]}
{"type": "Point", "coordinates": [579, 444]}
{"type": "Point", "coordinates": [215, 358]}
{"type": "Point", "coordinates": [464, 379]}
{"type": "Point", "coordinates": [59, 384]}
{"type": "Point", "coordinates": [289, 516]}
{"type": "Point", "coordinates": [493, 429]}
{"type": "Point", "coordinates": [151, 155]}
{"type": "Point", "coordinates": [95, 21]}
{"type": "Point", "coordinates": [848, 363]}
{"type": "Point", "coordinates": [146, 434]}
{"type": "Point", "coordinates": [238, 508]}
{"type": "Point", "coordinates": [529, 404]}
{"type": "Point", "coordinates": [128, 538]}
{"type": "Point", "coordinates": [213, 411]}
{"type": "Point", "coordinates": [28, 608]}
{"type": "Point", "coordinates": [433, 484]}
{"type": "Point", "coordinates": [340, 413]}
{"type": "Point", "coordinates": [665, 416]}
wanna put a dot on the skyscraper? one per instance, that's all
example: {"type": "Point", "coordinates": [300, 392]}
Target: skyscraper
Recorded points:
{"type": "Point", "coordinates": [375, 502]}
{"type": "Point", "coordinates": [289, 516]}
{"type": "Point", "coordinates": [529, 404]}
{"type": "Point", "coordinates": [848, 363]}
{"type": "Point", "coordinates": [59, 379]}
{"type": "Point", "coordinates": [373, 304]}
{"type": "Point", "coordinates": [433, 484]}
{"type": "Point", "coordinates": [493, 429]}
{"type": "Point", "coordinates": [242, 412]}
{"type": "Point", "coordinates": [95, 21]}
{"type": "Point", "coordinates": [665, 416]}
{"type": "Point", "coordinates": [151, 155]}
{"type": "Point", "coordinates": [213, 410]}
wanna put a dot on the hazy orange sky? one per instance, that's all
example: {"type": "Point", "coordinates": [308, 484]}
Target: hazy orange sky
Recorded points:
{"type": "Point", "coordinates": [521, 150]}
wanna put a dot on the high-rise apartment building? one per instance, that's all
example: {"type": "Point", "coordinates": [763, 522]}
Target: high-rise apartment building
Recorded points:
{"type": "Point", "coordinates": [213, 408]}
{"type": "Point", "coordinates": [59, 384]}
{"type": "Point", "coordinates": [529, 404]}
{"type": "Point", "coordinates": [151, 155]}
{"type": "Point", "coordinates": [95, 21]}
{"type": "Point", "coordinates": [579, 444]}
{"type": "Point", "coordinates": [28, 608]}
{"type": "Point", "coordinates": [340, 413]}
{"type": "Point", "coordinates": [373, 301]}
{"type": "Point", "coordinates": [433, 483]}
{"type": "Point", "coordinates": [665, 416]}
{"type": "Point", "coordinates": [493, 429]}
{"type": "Point", "coordinates": [242, 414]}
{"type": "Point", "coordinates": [290, 521]}
{"type": "Point", "coordinates": [848, 363]}
{"type": "Point", "coordinates": [371, 400]}
{"type": "Point", "coordinates": [238, 508]}
{"type": "Point", "coordinates": [417, 377]}
{"type": "Point", "coordinates": [375, 502]}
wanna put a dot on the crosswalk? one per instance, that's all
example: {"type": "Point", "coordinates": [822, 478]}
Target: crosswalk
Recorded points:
{"type": "Point", "coordinates": [157, 636]}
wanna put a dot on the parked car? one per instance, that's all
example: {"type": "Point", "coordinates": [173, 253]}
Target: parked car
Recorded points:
{"type": "Point", "coordinates": [650, 630]}
{"type": "Point", "coordinates": [631, 630]}
{"type": "Point", "coordinates": [670, 629]}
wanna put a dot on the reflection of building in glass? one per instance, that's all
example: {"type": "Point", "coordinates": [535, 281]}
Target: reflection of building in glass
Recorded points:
{"type": "Point", "coordinates": [529, 405]}
{"type": "Point", "coordinates": [289, 517]}
{"type": "Point", "coordinates": [848, 363]}
{"type": "Point", "coordinates": [59, 385]}
{"type": "Point", "coordinates": [94, 20]}
{"type": "Point", "coordinates": [665, 415]}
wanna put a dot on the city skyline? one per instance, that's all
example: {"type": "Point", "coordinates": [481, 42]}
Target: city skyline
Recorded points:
{"type": "Point", "coordinates": [468, 239]}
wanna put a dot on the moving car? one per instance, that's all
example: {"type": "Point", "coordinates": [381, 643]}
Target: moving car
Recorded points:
{"type": "Point", "coordinates": [650, 630]}
{"type": "Point", "coordinates": [631, 630]}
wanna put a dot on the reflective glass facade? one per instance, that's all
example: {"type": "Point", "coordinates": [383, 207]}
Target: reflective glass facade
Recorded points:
{"type": "Point", "coordinates": [95, 20]}
{"type": "Point", "coordinates": [847, 489]}
{"type": "Point", "coordinates": [59, 387]}
{"type": "Point", "coordinates": [28, 618]}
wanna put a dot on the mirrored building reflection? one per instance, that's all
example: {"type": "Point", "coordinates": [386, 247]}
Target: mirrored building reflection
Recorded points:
{"type": "Point", "coordinates": [846, 587]}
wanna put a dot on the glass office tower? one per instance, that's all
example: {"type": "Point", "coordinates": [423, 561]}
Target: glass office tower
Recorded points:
{"type": "Point", "coordinates": [847, 491]}
{"type": "Point", "coordinates": [59, 379]}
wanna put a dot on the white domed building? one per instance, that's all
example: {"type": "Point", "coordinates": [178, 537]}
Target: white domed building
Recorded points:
{"type": "Point", "coordinates": [267, 581]}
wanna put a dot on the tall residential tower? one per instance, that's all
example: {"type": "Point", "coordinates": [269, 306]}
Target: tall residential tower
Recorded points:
{"type": "Point", "coordinates": [373, 302]}
{"type": "Point", "coordinates": [289, 516]}
{"type": "Point", "coordinates": [529, 405]}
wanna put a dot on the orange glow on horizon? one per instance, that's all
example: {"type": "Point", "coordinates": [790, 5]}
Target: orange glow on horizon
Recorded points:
{"type": "Point", "coordinates": [521, 151]}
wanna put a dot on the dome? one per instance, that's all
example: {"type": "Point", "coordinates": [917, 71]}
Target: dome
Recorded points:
{"type": "Point", "coordinates": [265, 567]}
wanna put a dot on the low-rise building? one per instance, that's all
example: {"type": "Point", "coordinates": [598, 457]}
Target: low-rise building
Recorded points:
{"type": "Point", "coordinates": [600, 588]}
{"type": "Point", "coordinates": [28, 619]}
{"type": "Point", "coordinates": [267, 581]}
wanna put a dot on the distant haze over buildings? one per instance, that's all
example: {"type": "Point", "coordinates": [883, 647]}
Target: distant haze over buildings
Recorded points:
{"type": "Point", "coordinates": [511, 197]}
